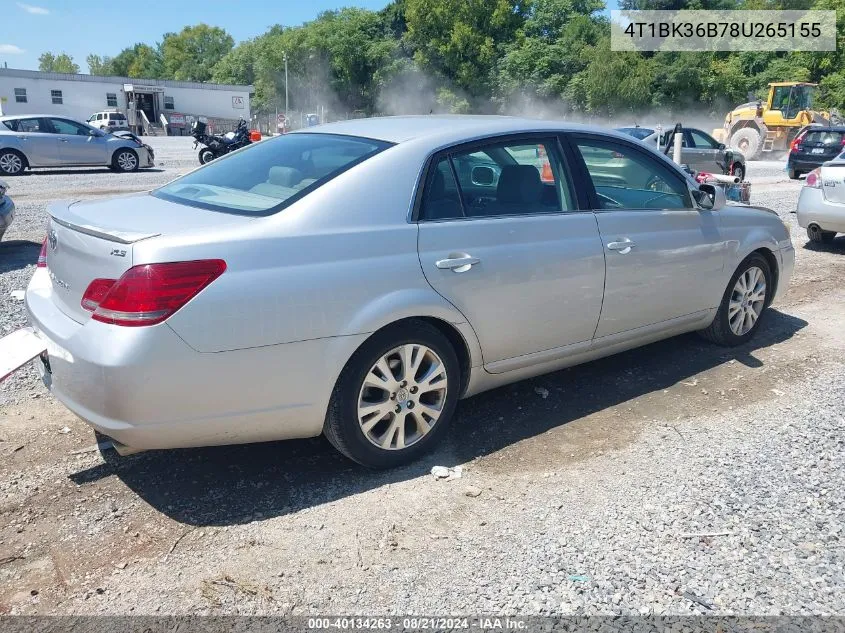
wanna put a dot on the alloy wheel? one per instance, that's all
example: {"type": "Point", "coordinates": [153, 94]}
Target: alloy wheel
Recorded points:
{"type": "Point", "coordinates": [748, 299]}
{"type": "Point", "coordinates": [11, 163]}
{"type": "Point", "coordinates": [127, 161]}
{"type": "Point", "coordinates": [402, 396]}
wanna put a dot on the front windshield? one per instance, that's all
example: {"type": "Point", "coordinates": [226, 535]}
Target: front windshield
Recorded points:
{"type": "Point", "coordinates": [637, 132]}
{"type": "Point", "coordinates": [270, 175]}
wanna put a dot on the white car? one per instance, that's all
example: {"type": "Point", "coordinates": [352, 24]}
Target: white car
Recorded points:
{"type": "Point", "coordinates": [821, 205]}
{"type": "Point", "coordinates": [109, 121]}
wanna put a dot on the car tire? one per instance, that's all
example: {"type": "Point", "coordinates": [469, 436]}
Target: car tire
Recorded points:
{"type": "Point", "coordinates": [793, 174]}
{"type": "Point", "coordinates": [738, 170]}
{"type": "Point", "coordinates": [125, 160]}
{"type": "Point", "coordinates": [12, 162]}
{"type": "Point", "coordinates": [816, 234]}
{"type": "Point", "coordinates": [730, 325]}
{"type": "Point", "coordinates": [747, 141]}
{"type": "Point", "coordinates": [401, 409]}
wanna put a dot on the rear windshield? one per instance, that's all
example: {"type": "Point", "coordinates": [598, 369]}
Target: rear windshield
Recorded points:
{"type": "Point", "coordinates": [824, 136]}
{"type": "Point", "coordinates": [637, 132]}
{"type": "Point", "coordinates": [270, 175]}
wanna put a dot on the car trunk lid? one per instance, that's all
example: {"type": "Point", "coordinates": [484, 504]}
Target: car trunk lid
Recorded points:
{"type": "Point", "coordinates": [833, 181]}
{"type": "Point", "coordinates": [95, 240]}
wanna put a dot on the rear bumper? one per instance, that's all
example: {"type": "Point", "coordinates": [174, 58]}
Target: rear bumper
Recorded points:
{"type": "Point", "coordinates": [146, 388]}
{"type": "Point", "coordinates": [806, 164]}
{"type": "Point", "coordinates": [814, 208]}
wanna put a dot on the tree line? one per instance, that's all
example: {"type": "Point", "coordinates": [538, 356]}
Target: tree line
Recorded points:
{"type": "Point", "coordinates": [509, 56]}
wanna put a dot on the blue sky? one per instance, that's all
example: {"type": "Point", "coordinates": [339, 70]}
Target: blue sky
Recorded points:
{"type": "Point", "coordinates": [105, 27]}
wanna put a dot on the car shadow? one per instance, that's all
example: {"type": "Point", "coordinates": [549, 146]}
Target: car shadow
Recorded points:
{"type": "Point", "coordinates": [17, 254]}
{"type": "Point", "coordinates": [238, 484]}
{"type": "Point", "coordinates": [837, 245]}
{"type": "Point", "coordinates": [84, 170]}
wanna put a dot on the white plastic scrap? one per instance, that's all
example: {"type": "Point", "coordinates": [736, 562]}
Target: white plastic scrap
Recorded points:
{"type": "Point", "coordinates": [448, 474]}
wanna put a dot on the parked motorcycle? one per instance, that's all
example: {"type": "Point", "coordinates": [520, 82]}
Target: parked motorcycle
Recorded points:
{"type": "Point", "coordinates": [216, 145]}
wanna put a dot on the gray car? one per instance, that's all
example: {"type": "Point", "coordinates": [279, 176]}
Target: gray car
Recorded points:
{"type": "Point", "coordinates": [357, 279]}
{"type": "Point", "coordinates": [699, 150]}
{"type": "Point", "coordinates": [28, 141]}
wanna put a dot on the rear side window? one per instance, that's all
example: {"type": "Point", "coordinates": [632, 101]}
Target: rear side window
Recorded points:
{"type": "Point", "coordinates": [500, 179]}
{"type": "Point", "coordinates": [26, 125]}
{"type": "Point", "coordinates": [624, 178]}
{"type": "Point", "coordinates": [266, 177]}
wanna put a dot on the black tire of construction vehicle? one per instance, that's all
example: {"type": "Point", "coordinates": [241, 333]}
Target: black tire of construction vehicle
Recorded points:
{"type": "Point", "coordinates": [342, 426]}
{"type": "Point", "coordinates": [747, 141]}
{"type": "Point", "coordinates": [719, 331]}
{"type": "Point", "coordinates": [793, 174]}
{"type": "Point", "coordinates": [815, 233]}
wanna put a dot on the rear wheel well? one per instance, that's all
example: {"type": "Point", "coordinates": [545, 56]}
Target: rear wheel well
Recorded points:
{"type": "Point", "coordinates": [773, 266]}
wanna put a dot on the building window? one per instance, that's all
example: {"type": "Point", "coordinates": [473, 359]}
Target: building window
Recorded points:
{"type": "Point", "coordinates": [111, 99]}
{"type": "Point", "coordinates": [168, 103]}
{"type": "Point", "coordinates": [20, 95]}
{"type": "Point", "coordinates": [57, 96]}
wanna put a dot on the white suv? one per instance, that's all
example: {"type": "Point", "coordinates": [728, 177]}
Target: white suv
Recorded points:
{"type": "Point", "coordinates": [109, 121]}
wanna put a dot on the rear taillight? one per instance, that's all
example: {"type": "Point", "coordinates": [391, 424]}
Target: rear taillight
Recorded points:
{"type": "Point", "coordinates": [814, 179]}
{"type": "Point", "coordinates": [96, 292]}
{"type": "Point", "coordinates": [149, 293]}
{"type": "Point", "coordinates": [795, 146]}
{"type": "Point", "coordinates": [42, 255]}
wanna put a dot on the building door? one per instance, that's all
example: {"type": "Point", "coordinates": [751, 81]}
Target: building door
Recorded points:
{"type": "Point", "coordinates": [146, 102]}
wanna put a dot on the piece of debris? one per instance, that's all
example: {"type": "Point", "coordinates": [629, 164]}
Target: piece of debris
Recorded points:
{"type": "Point", "coordinates": [10, 559]}
{"type": "Point", "coordinates": [442, 472]}
{"type": "Point", "coordinates": [472, 491]}
{"type": "Point", "coordinates": [17, 295]}
{"type": "Point", "coordinates": [542, 392]}
{"type": "Point", "coordinates": [702, 534]}
{"type": "Point", "coordinates": [64, 430]}
{"type": "Point", "coordinates": [578, 578]}
{"type": "Point", "coordinates": [778, 392]}
{"type": "Point", "coordinates": [121, 566]}
{"type": "Point", "coordinates": [697, 600]}
{"type": "Point", "coordinates": [691, 384]}
{"type": "Point", "coordinates": [704, 391]}
{"type": "Point", "coordinates": [102, 446]}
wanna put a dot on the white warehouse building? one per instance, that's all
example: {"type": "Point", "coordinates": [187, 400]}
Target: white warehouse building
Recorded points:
{"type": "Point", "coordinates": [80, 96]}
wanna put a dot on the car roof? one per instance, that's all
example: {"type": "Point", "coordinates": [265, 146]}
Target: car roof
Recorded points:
{"type": "Point", "coordinates": [826, 128]}
{"type": "Point", "coordinates": [446, 128]}
{"type": "Point", "coordinates": [11, 117]}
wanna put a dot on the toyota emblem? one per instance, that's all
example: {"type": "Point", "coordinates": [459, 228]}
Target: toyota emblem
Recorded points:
{"type": "Point", "coordinates": [53, 238]}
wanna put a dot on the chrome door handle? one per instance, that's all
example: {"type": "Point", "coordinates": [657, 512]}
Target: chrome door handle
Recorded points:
{"type": "Point", "coordinates": [23, 138]}
{"type": "Point", "coordinates": [458, 264]}
{"type": "Point", "coordinates": [623, 246]}
{"type": "Point", "coordinates": [62, 140]}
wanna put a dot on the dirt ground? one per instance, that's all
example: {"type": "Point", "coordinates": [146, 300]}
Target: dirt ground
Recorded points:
{"type": "Point", "coordinates": [294, 528]}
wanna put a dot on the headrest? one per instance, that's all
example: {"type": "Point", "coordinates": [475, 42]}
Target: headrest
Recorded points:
{"type": "Point", "coordinates": [519, 183]}
{"type": "Point", "coordinates": [284, 176]}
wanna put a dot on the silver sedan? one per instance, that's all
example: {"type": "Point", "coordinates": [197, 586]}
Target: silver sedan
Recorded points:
{"type": "Point", "coordinates": [357, 279]}
{"type": "Point", "coordinates": [821, 205]}
{"type": "Point", "coordinates": [28, 141]}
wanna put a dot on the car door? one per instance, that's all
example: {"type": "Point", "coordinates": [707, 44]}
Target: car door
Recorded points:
{"type": "Point", "coordinates": [79, 144]}
{"type": "Point", "coordinates": [708, 155]}
{"type": "Point", "coordinates": [664, 256]}
{"type": "Point", "coordinates": [518, 259]}
{"type": "Point", "coordinates": [36, 140]}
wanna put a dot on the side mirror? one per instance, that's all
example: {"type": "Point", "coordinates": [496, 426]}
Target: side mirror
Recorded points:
{"type": "Point", "coordinates": [483, 176]}
{"type": "Point", "coordinates": [710, 197]}
{"type": "Point", "coordinates": [721, 146]}
{"type": "Point", "coordinates": [96, 133]}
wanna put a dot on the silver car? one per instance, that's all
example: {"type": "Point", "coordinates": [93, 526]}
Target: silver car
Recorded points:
{"type": "Point", "coordinates": [357, 279]}
{"type": "Point", "coordinates": [28, 141]}
{"type": "Point", "coordinates": [821, 205]}
{"type": "Point", "coordinates": [699, 150]}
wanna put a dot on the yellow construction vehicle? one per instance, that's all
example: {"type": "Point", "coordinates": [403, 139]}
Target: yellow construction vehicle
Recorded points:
{"type": "Point", "coordinates": [756, 127]}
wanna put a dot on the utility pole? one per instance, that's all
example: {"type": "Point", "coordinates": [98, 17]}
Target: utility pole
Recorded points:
{"type": "Point", "coordinates": [286, 86]}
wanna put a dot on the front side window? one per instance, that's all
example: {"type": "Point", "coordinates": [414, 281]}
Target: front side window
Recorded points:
{"type": "Point", "coordinates": [63, 126]}
{"type": "Point", "coordinates": [56, 96]}
{"type": "Point", "coordinates": [269, 176]}
{"type": "Point", "coordinates": [168, 103]}
{"type": "Point", "coordinates": [700, 140]}
{"type": "Point", "coordinates": [20, 95]}
{"type": "Point", "coordinates": [624, 178]}
{"type": "Point", "coordinates": [111, 99]}
{"type": "Point", "coordinates": [500, 179]}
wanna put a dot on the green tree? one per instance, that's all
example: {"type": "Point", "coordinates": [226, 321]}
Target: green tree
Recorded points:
{"type": "Point", "coordinates": [97, 65]}
{"type": "Point", "coordinates": [191, 54]}
{"type": "Point", "coordinates": [461, 40]}
{"type": "Point", "coordinates": [61, 63]}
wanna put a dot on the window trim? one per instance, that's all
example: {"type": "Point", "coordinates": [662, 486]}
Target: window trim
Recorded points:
{"type": "Point", "coordinates": [172, 103]}
{"type": "Point", "coordinates": [60, 97]}
{"type": "Point", "coordinates": [111, 96]}
{"type": "Point", "coordinates": [20, 95]}
{"type": "Point", "coordinates": [554, 142]}
{"type": "Point", "coordinates": [589, 187]}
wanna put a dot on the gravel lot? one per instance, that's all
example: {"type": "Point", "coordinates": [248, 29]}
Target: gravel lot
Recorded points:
{"type": "Point", "coordinates": [679, 478]}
